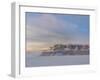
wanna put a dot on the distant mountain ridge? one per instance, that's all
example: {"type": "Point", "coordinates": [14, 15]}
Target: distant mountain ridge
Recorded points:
{"type": "Point", "coordinates": [71, 49]}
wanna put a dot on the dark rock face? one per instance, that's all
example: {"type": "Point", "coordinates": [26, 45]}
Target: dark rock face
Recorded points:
{"type": "Point", "coordinates": [65, 53]}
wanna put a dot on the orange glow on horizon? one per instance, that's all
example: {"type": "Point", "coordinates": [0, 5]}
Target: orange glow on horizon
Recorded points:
{"type": "Point", "coordinates": [31, 46]}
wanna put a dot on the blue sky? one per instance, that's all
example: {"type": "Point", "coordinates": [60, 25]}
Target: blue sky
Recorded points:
{"type": "Point", "coordinates": [46, 29]}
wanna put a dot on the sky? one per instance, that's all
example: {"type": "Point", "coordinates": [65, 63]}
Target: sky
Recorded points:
{"type": "Point", "coordinates": [44, 30]}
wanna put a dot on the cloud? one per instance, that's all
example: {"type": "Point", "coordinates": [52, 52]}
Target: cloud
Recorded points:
{"type": "Point", "coordinates": [48, 29]}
